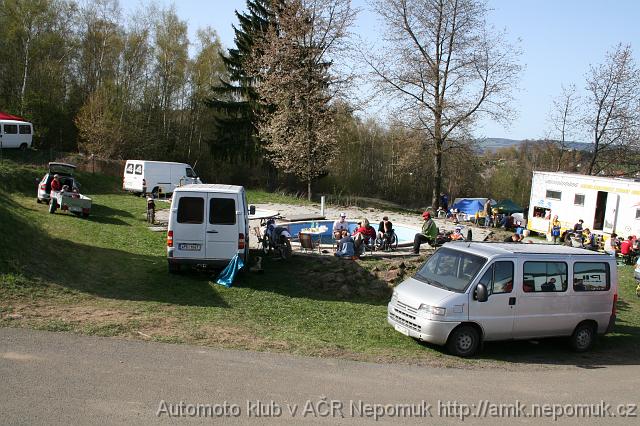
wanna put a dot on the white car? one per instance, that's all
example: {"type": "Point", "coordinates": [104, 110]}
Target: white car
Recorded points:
{"type": "Point", "coordinates": [65, 171]}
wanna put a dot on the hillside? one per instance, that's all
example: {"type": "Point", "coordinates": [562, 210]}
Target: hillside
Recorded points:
{"type": "Point", "coordinates": [494, 144]}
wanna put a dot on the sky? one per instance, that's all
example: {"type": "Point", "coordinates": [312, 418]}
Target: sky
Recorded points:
{"type": "Point", "coordinates": [559, 40]}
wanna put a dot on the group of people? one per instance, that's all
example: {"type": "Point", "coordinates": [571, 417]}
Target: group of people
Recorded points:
{"type": "Point", "coordinates": [628, 249]}
{"type": "Point", "coordinates": [353, 244]}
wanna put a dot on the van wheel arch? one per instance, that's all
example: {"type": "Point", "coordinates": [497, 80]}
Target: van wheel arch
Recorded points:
{"type": "Point", "coordinates": [469, 332]}
{"type": "Point", "coordinates": [584, 336]}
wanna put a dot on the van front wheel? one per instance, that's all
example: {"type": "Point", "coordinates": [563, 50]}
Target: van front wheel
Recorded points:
{"type": "Point", "coordinates": [583, 337]}
{"type": "Point", "coordinates": [464, 341]}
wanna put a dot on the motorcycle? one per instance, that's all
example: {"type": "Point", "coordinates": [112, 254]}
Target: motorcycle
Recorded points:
{"type": "Point", "coordinates": [276, 238]}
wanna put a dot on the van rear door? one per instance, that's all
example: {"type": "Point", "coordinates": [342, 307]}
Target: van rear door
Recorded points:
{"type": "Point", "coordinates": [189, 225]}
{"type": "Point", "coordinates": [222, 226]}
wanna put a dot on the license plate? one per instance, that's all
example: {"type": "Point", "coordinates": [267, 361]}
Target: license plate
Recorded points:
{"type": "Point", "coordinates": [401, 329]}
{"type": "Point", "coordinates": [189, 247]}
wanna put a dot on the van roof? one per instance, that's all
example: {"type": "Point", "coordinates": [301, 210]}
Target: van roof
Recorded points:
{"type": "Point", "coordinates": [494, 249]}
{"type": "Point", "coordinates": [157, 162]}
{"type": "Point", "coordinates": [210, 187]}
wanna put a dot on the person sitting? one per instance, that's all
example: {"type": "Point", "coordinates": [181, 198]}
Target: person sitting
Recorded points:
{"type": "Point", "coordinates": [611, 245]}
{"type": "Point", "coordinates": [387, 236]}
{"type": "Point", "coordinates": [382, 227]}
{"type": "Point", "coordinates": [339, 225]}
{"type": "Point", "coordinates": [454, 216]}
{"type": "Point", "coordinates": [577, 228]}
{"type": "Point", "coordinates": [428, 234]}
{"type": "Point", "coordinates": [457, 234]}
{"type": "Point", "coordinates": [626, 247]}
{"type": "Point", "coordinates": [346, 246]}
{"type": "Point", "coordinates": [589, 240]}
{"type": "Point", "coordinates": [364, 233]}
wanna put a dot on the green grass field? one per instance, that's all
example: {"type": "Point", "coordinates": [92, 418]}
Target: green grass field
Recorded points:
{"type": "Point", "coordinates": [107, 275]}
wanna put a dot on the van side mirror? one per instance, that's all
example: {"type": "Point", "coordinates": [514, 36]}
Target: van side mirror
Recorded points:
{"type": "Point", "coordinates": [482, 295]}
{"type": "Point", "coordinates": [252, 210]}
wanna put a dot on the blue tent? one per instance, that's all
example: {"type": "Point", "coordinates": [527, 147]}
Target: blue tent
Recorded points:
{"type": "Point", "coordinates": [469, 205]}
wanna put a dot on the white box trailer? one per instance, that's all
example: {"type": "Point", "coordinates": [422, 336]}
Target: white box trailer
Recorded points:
{"type": "Point", "coordinates": [156, 177]}
{"type": "Point", "coordinates": [606, 205]}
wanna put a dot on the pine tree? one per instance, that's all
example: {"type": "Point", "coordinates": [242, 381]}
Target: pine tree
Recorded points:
{"type": "Point", "coordinates": [235, 101]}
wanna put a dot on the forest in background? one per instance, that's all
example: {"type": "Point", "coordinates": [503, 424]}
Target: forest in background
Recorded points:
{"type": "Point", "coordinates": [97, 81]}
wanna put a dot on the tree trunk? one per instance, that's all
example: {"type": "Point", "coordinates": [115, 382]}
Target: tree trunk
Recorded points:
{"type": "Point", "coordinates": [23, 89]}
{"type": "Point", "coordinates": [437, 169]}
{"type": "Point", "coordinates": [309, 189]}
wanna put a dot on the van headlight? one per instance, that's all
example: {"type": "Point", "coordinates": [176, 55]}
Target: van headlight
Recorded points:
{"type": "Point", "coordinates": [433, 310]}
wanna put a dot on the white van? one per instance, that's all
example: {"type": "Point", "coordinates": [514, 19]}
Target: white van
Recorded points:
{"type": "Point", "coordinates": [467, 293]}
{"type": "Point", "coordinates": [16, 134]}
{"type": "Point", "coordinates": [155, 177]}
{"type": "Point", "coordinates": [208, 225]}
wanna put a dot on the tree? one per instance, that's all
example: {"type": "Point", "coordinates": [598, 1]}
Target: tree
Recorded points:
{"type": "Point", "coordinates": [296, 88]}
{"type": "Point", "coordinates": [565, 120]}
{"type": "Point", "coordinates": [613, 112]}
{"type": "Point", "coordinates": [234, 99]}
{"type": "Point", "coordinates": [444, 67]}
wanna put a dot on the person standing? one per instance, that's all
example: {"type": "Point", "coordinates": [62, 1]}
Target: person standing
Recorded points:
{"type": "Point", "coordinates": [56, 185]}
{"type": "Point", "coordinates": [428, 234]}
{"type": "Point", "coordinates": [555, 229]}
{"type": "Point", "coordinates": [444, 201]}
{"type": "Point", "coordinates": [487, 213]}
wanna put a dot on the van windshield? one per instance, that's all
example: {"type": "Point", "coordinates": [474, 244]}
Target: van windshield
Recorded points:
{"type": "Point", "coordinates": [450, 269]}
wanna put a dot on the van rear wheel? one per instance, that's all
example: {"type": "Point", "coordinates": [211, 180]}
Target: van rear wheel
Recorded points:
{"type": "Point", "coordinates": [464, 341]}
{"type": "Point", "coordinates": [583, 337]}
{"type": "Point", "coordinates": [23, 147]}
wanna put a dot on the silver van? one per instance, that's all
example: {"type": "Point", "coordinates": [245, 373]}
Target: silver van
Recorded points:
{"type": "Point", "coordinates": [467, 293]}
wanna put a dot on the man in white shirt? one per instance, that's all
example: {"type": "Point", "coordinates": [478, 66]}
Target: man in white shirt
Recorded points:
{"type": "Point", "coordinates": [340, 224]}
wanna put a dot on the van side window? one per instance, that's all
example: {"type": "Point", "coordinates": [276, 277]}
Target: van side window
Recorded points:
{"type": "Point", "coordinates": [129, 169]}
{"type": "Point", "coordinates": [222, 211]}
{"type": "Point", "coordinates": [591, 276]}
{"type": "Point", "coordinates": [138, 169]}
{"type": "Point", "coordinates": [544, 277]}
{"type": "Point", "coordinates": [11, 129]}
{"type": "Point", "coordinates": [191, 210]}
{"type": "Point", "coordinates": [498, 278]}
{"type": "Point", "coordinates": [25, 130]}
{"type": "Point", "coordinates": [190, 173]}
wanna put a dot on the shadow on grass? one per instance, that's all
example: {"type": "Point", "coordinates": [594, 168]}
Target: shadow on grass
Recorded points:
{"type": "Point", "coordinates": [98, 271]}
{"type": "Point", "coordinates": [317, 278]}
{"type": "Point", "coordinates": [618, 348]}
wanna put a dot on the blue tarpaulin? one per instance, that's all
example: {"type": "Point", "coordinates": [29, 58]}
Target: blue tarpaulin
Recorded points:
{"type": "Point", "coordinates": [469, 205]}
{"type": "Point", "coordinates": [229, 273]}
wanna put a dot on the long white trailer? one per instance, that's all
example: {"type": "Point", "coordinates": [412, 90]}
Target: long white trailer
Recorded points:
{"type": "Point", "coordinates": [606, 205]}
